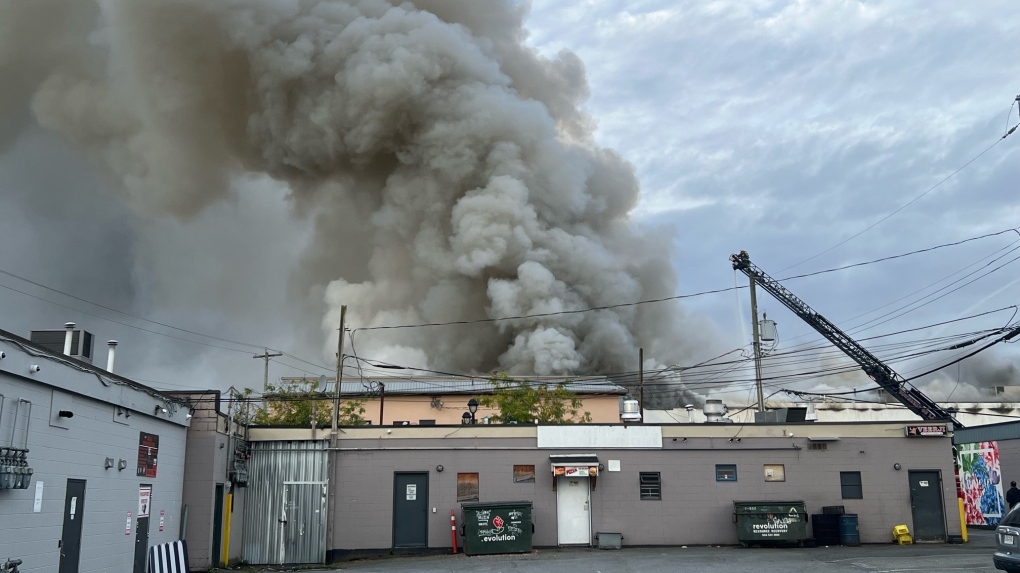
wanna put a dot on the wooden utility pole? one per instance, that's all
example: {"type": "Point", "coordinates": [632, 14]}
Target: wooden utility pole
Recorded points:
{"type": "Point", "coordinates": [382, 401]}
{"type": "Point", "coordinates": [641, 382]}
{"type": "Point", "coordinates": [265, 377]}
{"type": "Point", "coordinates": [757, 346]}
{"type": "Point", "coordinates": [339, 376]}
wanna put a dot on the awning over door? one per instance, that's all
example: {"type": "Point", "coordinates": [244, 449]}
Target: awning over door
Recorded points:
{"type": "Point", "coordinates": [578, 465]}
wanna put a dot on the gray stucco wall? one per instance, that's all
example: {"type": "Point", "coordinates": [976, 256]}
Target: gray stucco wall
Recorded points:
{"type": "Point", "coordinates": [695, 509]}
{"type": "Point", "coordinates": [79, 451]}
{"type": "Point", "coordinates": [1009, 462]}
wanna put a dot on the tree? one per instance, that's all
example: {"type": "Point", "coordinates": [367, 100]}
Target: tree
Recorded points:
{"type": "Point", "coordinates": [299, 404]}
{"type": "Point", "coordinates": [525, 402]}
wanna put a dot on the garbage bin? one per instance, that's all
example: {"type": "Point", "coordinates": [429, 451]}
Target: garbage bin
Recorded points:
{"type": "Point", "coordinates": [497, 527]}
{"type": "Point", "coordinates": [771, 522]}
{"type": "Point", "coordinates": [849, 534]}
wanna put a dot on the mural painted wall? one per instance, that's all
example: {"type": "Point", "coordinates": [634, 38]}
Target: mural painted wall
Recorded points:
{"type": "Point", "coordinates": [981, 482]}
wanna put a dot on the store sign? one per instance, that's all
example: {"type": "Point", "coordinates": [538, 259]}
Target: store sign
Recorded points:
{"type": "Point", "coordinates": [926, 431]}
{"type": "Point", "coordinates": [576, 471]}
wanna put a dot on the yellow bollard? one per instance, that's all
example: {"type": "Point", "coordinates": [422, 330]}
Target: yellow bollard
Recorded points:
{"type": "Point", "coordinates": [226, 529]}
{"type": "Point", "coordinates": [963, 519]}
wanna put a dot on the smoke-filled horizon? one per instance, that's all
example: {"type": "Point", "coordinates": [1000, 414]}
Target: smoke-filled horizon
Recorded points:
{"type": "Point", "coordinates": [446, 171]}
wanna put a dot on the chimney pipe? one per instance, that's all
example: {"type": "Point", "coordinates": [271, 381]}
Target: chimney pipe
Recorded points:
{"type": "Point", "coordinates": [109, 357]}
{"type": "Point", "coordinates": [67, 338]}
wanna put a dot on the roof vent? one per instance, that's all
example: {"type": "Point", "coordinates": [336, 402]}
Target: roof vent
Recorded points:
{"type": "Point", "coordinates": [630, 410]}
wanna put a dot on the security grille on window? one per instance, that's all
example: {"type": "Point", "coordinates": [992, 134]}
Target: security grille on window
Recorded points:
{"type": "Point", "coordinates": [725, 472]}
{"type": "Point", "coordinates": [651, 485]}
{"type": "Point", "coordinates": [850, 483]}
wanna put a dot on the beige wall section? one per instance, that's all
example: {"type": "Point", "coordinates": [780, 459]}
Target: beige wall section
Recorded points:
{"type": "Point", "coordinates": [450, 408]}
{"type": "Point", "coordinates": [208, 450]}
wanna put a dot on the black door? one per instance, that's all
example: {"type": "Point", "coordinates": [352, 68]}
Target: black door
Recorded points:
{"type": "Point", "coordinates": [410, 509]}
{"type": "Point", "coordinates": [142, 530]}
{"type": "Point", "coordinates": [926, 505]}
{"type": "Point", "coordinates": [70, 537]}
{"type": "Point", "coordinates": [217, 532]}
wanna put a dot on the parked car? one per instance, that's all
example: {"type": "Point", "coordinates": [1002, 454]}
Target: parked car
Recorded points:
{"type": "Point", "coordinates": [1007, 542]}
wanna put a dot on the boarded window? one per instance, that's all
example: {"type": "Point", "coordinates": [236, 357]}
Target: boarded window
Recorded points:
{"type": "Point", "coordinates": [467, 487]}
{"type": "Point", "coordinates": [725, 472]}
{"type": "Point", "coordinates": [775, 472]}
{"type": "Point", "coordinates": [850, 484]}
{"type": "Point", "coordinates": [651, 485]}
{"type": "Point", "coordinates": [524, 474]}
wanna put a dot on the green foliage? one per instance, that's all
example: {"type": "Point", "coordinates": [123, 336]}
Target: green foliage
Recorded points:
{"type": "Point", "coordinates": [524, 402]}
{"type": "Point", "coordinates": [299, 404]}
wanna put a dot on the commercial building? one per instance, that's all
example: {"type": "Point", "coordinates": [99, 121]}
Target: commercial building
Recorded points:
{"type": "Point", "coordinates": [988, 458]}
{"type": "Point", "coordinates": [92, 462]}
{"type": "Point", "coordinates": [427, 401]}
{"type": "Point", "coordinates": [392, 489]}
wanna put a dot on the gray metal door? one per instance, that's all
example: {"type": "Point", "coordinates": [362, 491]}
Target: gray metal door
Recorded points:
{"type": "Point", "coordinates": [70, 538]}
{"type": "Point", "coordinates": [304, 522]}
{"type": "Point", "coordinates": [926, 505]}
{"type": "Point", "coordinates": [410, 509]}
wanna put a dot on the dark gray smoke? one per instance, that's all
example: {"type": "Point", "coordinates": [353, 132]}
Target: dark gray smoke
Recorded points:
{"type": "Point", "coordinates": [444, 170]}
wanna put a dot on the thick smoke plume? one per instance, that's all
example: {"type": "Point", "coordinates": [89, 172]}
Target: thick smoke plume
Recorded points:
{"type": "Point", "coordinates": [448, 172]}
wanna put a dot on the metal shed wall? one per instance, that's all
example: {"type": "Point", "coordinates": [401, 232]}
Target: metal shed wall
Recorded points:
{"type": "Point", "coordinates": [272, 466]}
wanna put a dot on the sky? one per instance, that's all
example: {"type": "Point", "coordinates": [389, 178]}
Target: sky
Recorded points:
{"type": "Point", "coordinates": [780, 128]}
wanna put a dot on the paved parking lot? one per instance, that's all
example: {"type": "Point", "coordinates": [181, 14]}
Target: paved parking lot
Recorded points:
{"type": "Point", "coordinates": [972, 557]}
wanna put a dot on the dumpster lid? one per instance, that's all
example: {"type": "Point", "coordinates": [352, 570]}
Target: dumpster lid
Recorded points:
{"type": "Point", "coordinates": [493, 504]}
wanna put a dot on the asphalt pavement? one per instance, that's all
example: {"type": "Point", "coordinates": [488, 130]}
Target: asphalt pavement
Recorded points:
{"type": "Point", "coordinates": [975, 556]}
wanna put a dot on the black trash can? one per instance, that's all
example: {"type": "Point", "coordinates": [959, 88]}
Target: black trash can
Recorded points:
{"type": "Point", "coordinates": [849, 534]}
{"type": "Point", "coordinates": [826, 528]}
{"type": "Point", "coordinates": [497, 527]}
{"type": "Point", "coordinates": [770, 522]}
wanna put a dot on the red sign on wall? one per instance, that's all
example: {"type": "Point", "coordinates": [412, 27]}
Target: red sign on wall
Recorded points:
{"type": "Point", "coordinates": [148, 449]}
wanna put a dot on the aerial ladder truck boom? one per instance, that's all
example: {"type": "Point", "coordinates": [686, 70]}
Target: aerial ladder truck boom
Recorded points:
{"type": "Point", "coordinates": [877, 370]}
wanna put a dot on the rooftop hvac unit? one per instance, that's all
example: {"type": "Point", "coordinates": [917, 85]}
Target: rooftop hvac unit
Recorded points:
{"type": "Point", "coordinates": [82, 342]}
{"type": "Point", "coordinates": [630, 410]}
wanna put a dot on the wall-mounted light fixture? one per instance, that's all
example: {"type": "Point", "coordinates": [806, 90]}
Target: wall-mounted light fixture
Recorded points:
{"type": "Point", "coordinates": [439, 468]}
{"type": "Point", "coordinates": [34, 368]}
{"type": "Point", "coordinates": [121, 465]}
{"type": "Point", "coordinates": [897, 466]}
{"type": "Point", "coordinates": [108, 463]}
{"type": "Point", "coordinates": [473, 407]}
{"type": "Point", "coordinates": [159, 410]}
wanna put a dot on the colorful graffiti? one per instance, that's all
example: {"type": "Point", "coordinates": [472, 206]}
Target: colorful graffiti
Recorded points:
{"type": "Point", "coordinates": [981, 482]}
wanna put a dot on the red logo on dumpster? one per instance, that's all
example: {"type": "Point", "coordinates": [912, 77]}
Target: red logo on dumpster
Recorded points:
{"type": "Point", "coordinates": [497, 521]}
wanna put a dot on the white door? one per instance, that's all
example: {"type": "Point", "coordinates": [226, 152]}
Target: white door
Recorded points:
{"type": "Point", "coordinates": [573, 515]}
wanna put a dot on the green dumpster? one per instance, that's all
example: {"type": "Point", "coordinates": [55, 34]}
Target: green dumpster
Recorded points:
{"type": "Point", "coordinates": [497, 527]}
{"type": "Point", "coordinates": [770, 522]}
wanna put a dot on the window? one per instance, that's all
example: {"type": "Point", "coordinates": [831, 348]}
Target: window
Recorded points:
{"type": "Point", "coordinates": [775, 472]}
{"type": "Point", "coordinates": [651, 485]}
{"type": "Point", "coordinates": [467, 487]}
{"type": "Point", "coordinates": [850, 483]}
{"type": "Point", "coordinates": [818, 446]}
{"type": "Point", "coordinates": [524, 474]}
{"type": "Point", "coordinates": [725, 472]}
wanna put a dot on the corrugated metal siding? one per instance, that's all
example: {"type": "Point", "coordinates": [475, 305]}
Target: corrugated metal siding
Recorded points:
{"type": "Point", "coordinates": [267, 540]}
{"type": "Point", "coordinates": [1006, 431]}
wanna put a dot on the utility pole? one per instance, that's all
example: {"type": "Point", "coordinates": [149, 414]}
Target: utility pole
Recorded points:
{"type": "Point", "coordinates": [339, 376]}
{"type": "Point", "coordinates": [641, 381]}
{"type": "Point", "coordinates": [334, 455]}
{"type": "Point", "coordinates": [382, 401]}
{"type": "Point", "coordinates": [266, 357]}
{"type": "Point", "coordinates": [757, 346]}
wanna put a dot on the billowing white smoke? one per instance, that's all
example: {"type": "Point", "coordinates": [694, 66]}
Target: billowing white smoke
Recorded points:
{"type": "Point", "coordinates": [447, 169]}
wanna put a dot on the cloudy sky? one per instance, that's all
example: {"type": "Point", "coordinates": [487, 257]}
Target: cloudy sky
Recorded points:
{"type": "Point", "coordinates": [781, 128]}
